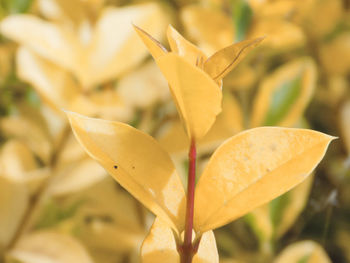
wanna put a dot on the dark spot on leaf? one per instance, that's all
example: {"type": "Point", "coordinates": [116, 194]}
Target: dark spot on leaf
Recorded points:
{"type": "Point", "coordinates": [115, 166]}
{"type": "Point", "coordinates": [133, 167]}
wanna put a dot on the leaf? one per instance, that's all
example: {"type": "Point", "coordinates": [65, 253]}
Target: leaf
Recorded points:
{"type": "Point", "coordinates": [26, 130]}
{"type": "Point", "coordinates": [197, 97]}
{"type": "Point", "coordinates": [53, 83]}
{"type": "Point", "coordinates": [114, 40]}
{"type": "Point", "coordinates": [282, 35]}
{"type": "Point", "coordinates": [297, 199]}
{"type": "Point", "coordinates": [184, 48]}
{"type": "Point", "coordinates": [223, 61]}
{"type": "Point", "coordinates": [143, 87]}
{"type": "Point", "coordinates": [207, 250]}
{"type": "Point", "coordinates": [53, 213]}
{"type": "Point", "coordinates": [49, 247]}
{"type": "Point", "coordinates": [253, 168]}
{"type": "Point", "coordinates": [46, 39]}
{"type": "Point", "coordinates": [14, 199]}
{"type": "Point", "coordinates": [137, 162]}
{"type": "Point", "coordinates": [17, 6]}
{"type": "Point", "coordinates": [210, 28]}
{"type": "Point", "coordinates": [227, 123]}
{"type": "Point", "coordinates": [284, 95]}
{"type": "Point", "coordinates": [303, 251]}
{"type": "Point", "coordinates": [154, 46]}
{"type": "Point", "coordinates": [76, 176]}
{"type": "Point", "coordinates": [160, 246]}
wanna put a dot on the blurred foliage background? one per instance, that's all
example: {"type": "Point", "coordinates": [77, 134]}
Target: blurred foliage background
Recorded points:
{"type": "Point", "coordinates": [58, 205]}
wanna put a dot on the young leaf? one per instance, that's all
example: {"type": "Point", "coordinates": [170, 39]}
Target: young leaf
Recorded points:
{"type": "Point", "coordinates": [303, 252]}
{"type": "Point", "coordinates": [253, 168]}
{"type": "Point", "coordinates": [197, 97]}
{"type": "Point", "coordinates": [160, 246]}
{"type": "Point", "coordinates": [184, 48]}
{"type": "Point", "coordinates": [154, 46]}
{"type": "Point", "coordinates": [223, 61]}
{"type": "Point", "coordinates": [137, 162]}
{"type": "Point", "coordinates": [284, 95]}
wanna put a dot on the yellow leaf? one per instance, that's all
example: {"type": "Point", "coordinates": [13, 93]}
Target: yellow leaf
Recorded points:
{"type": "Point", "coordinates": [114, 40]}
{"type": "Point", "coordinates": [54, 84]}
{"type": "Point", "coordinates": [48, 40]}
{"type": "Point", "coordinates": [222, 62]}
{"type": "Point", "coordinates": [137, 162]}
{"type": "Point", "coordinates": [14, 199]}
{"type": "Point", "coordinates": [207, 250]}
{"type": "Point", "coordinates": [154, 46]}
{"type": "Point", "coordinates": [184, 48]}
{"type": "Point", "coordinates": [49, 247]}
{"type": "Point", "coordinates": [143, 87]}
{"type": "Point", "coordinates": [197, 97]}
{"type": "Point", "coordinates": [335, 55]}
{"type": "Point", "coordinates": [227, 123]}
{"type": "Point", "coordinates": [210, 28]}
{"type": "Point", "coordinates": [104, 103]}
{"type": "Point", "coordinates": [282, 35]}
{"type": "Point", "coordinates": [253, 168]}
{"type": "Point", "coordinates": [284, 95]}
{"type": "Point", "coordinates": [72, 178]}
{"type": "Point", "coordinates": [303, 251]}
{"type": "Point", "coordinates": [26, 130]}
{"type": "Point", "coordinates": [122, 232]}
{"type": "Point", "coordinates": [160, 246]}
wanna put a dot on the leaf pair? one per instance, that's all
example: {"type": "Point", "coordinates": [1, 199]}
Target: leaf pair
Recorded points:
{"type": "Point", "coordinates": [245, 172]}
{"type": "Point", "coordinates": [194, 79]}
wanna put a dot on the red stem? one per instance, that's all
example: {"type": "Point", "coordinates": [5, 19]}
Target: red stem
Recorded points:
{"type": "Point", "coordinates": [187, 250]}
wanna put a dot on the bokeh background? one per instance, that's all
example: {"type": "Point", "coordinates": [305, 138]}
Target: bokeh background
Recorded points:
{"type": "Point", "coordinates": [57, 205]}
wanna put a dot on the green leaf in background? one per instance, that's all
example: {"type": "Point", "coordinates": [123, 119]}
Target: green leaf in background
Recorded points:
{"type": "Point", "coordinates": [53, 213]}
{"type": "Point", "coordinates": [15, 6]}
{"type": "Point", "coordinates": [242, 17]}
{"type": "Point", "coordinates": [277, 207]}
{"type": "Point", "coordinates": [304, 259]}
{"type": "Point", "coordinates": [282, 101]}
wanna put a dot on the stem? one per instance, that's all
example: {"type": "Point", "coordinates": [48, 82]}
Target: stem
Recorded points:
{"type": "Point", "coordinates": [187, 250]}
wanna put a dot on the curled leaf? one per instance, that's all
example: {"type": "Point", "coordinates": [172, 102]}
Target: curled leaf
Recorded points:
{"type": "Point", "coordinates": [223, 61]}
{"type": "Point", "coordinates": [130, 155]}
{"type": "Point", "coordinates": [184, 48]}
{"type": "Point", "coordinates": [253, 168]}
